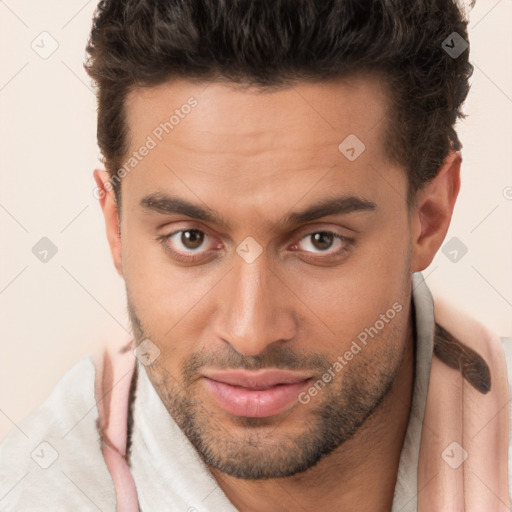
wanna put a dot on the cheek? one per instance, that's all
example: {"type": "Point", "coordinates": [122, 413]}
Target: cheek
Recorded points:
{"type": "Point", "coordinates": [352, 297]}
{"type": "Point", "coordinates": [164, 297]}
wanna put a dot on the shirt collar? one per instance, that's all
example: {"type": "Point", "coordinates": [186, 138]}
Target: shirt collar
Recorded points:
{"type": "Point", "coordinates": [406, 488]}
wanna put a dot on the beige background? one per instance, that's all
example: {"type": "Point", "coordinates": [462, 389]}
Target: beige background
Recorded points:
{"type": "Point", "coordinates": [53, 313]}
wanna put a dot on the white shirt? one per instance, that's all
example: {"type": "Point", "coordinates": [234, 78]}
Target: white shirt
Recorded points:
{"type": "Point", "coordinates": [54, 462]}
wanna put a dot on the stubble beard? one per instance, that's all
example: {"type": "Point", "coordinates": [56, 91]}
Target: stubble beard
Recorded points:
{"type": "Point", "coordinates": [263, 448]}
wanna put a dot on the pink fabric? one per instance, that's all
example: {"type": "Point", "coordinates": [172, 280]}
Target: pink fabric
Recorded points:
{"type": "Point", "coordinates": [114, 371]}
{"type": "Point", "coordinates": [455, 412]}
{"type": "Point", "coordinates": [479, 423]}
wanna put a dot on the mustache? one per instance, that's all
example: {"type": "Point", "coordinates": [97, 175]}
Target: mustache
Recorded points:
{"type": "Point", "coordinates": [274, 356]}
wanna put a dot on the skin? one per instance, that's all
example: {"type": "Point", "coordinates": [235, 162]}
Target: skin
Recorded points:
{"type": "Point", "coordinates": [253, 158]}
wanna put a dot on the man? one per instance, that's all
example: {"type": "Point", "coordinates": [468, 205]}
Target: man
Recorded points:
{"type": "Point", "coordinates": [278, 174]}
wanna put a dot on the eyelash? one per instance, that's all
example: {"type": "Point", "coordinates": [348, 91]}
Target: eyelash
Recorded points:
{"type": "Point", "coordinates": [347, 243]}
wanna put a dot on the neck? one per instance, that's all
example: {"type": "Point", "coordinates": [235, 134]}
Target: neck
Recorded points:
{"type": "Point", "coordinates": [359, 475]}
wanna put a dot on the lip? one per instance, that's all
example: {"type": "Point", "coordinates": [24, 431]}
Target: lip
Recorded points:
{"type": "Point", "coordinates": [255, 394]}
{"type": "Point", "coordinates": [256, 379]}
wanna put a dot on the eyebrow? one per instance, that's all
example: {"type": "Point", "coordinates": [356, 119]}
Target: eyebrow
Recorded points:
{"type": "Point", "coordinates": [341, 205]}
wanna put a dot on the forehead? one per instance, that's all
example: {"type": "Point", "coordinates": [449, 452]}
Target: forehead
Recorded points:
{"type": "Point", "coordinates": [257, 144]}
{"type": "Point", "coordinates": [319, 110]}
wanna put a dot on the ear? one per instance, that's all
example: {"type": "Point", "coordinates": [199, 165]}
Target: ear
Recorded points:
{"type": "Point", "coordinates": [432, 212]}
{"type": "Point", "coordinates": [106, 197]}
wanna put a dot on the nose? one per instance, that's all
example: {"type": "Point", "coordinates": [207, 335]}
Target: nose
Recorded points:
{"type": "Point", "coordinates": [255, 308]}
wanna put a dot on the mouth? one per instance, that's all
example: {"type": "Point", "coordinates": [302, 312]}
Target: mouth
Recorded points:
{"type": "Point", "coordinates": [255, 394]}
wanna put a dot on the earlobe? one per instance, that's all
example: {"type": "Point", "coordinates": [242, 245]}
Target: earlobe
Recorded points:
{"type": "Point", "coordinates": [432, 212]}
{"type": "Point", "coordinates": [105, 194]}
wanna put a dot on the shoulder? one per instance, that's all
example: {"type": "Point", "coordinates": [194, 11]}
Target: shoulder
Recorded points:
{"type": "Point", "coordinates": [464, 343]}
{"type": "Point", "coordinates": [52, 459]}
{"type": "Point", "coordinates": [507, 348]}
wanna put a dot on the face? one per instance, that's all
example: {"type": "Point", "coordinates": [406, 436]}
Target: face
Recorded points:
{"type": "Point", "coordinates": [261, 257]}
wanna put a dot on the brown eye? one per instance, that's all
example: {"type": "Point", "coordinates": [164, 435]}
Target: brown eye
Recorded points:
{"type": "Point", "coordinates": [191, 245]}
{"type": "Point", "coordinates": [322, 241]}
{"type": "Point", "coordinates": [192, 238]}
{"type": "Point", "coordinates": [186, 242]}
